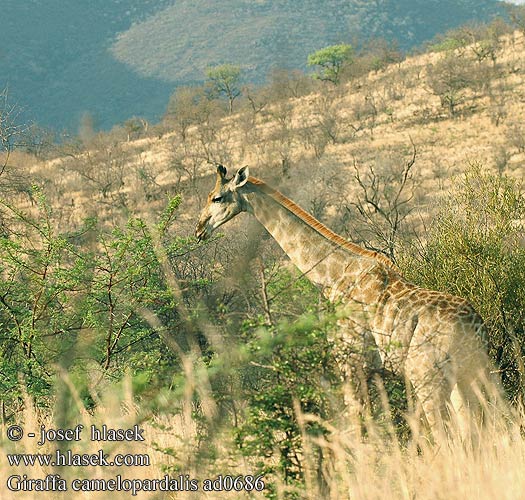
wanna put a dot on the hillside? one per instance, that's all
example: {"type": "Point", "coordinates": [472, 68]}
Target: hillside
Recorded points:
{"type": "Point", "coordinates": [54, 59]}
{"type": "Point", "coordinates": [117, 59]}
{"type": "Point", "coordinates": [175, 44]}
{"type": "Point", "coordinates": [308, 142]}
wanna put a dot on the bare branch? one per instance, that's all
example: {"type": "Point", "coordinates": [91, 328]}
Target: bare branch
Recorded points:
{"type": "Point", "coordinates": [11, 131]}
{"type": "Point", "coordinates": [382, 204]}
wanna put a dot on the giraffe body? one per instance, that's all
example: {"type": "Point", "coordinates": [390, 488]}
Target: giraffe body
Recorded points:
{"type": "Point", "coordinates": [433, 339]}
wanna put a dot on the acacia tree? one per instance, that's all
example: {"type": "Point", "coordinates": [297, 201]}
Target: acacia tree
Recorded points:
{"type": "Point", "coordinates": [183, 108]}
{"type": "Point", "coordinates": [224, 80]}
{"type": "Point", "coordinates": [134, 127]}
{"type": "Point", "coordinates": [382, 204]}
{"type": "Point", "coordinates": [449, 78]}
{"type": "Point", "coordinates": [332, 60]}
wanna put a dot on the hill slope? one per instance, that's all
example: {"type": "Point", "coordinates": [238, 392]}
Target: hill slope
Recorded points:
{"type": "Point", "coordinates": [117, 59]}
{"type": "Point", "coordinates": [54, 58]}
{"type": "Point", "coordinates": [179, 42]}
{"type": "Point", "coordinates": [311, 144]}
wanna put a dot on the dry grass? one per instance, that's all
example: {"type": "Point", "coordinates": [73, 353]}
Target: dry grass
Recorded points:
{"type": "Point", "coordinates": [369, 468]}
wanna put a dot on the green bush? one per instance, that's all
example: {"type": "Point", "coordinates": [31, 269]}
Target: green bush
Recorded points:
{"type": "Point", "coordinates": [42, 279]}
{"type": "Point", "coordinates": [74, 300]}
{"type": "Point", "coordinates": [475, 249]}
{"type": "Point", "coordinates": [288, 367]}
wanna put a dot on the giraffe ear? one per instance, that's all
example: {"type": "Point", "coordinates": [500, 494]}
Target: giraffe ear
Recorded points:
{"type": "Point", "coordinates": [241, 178]}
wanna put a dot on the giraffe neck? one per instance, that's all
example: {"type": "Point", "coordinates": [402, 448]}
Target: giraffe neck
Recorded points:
{"type": "Point", "coordinates": [320, 254]}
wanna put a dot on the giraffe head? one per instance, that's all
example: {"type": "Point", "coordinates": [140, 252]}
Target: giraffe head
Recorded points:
{"type": "Point", "coordinates": [224, 202]}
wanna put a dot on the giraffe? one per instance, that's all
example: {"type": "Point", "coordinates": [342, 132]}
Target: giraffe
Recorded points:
{"type": "Point", "coordinates": [435, 340]}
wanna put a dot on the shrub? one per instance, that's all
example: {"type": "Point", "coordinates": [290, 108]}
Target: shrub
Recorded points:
{"type": "Point", "coordinates": [73, 300]}
{"type": "Point", "coordinates": [449, 78]}
{"type": "Point", "coordinates": [475, 250]}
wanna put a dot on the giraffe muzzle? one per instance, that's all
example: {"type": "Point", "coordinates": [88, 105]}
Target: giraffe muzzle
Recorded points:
{"type": "Point", "coordinates": [201, 230]}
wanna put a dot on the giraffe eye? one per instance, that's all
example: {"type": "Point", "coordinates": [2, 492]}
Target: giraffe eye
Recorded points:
{"type": "Point", "coordinates": [217, 199]}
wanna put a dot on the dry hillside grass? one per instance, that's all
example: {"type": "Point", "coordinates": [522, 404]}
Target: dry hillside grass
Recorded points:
{"type": "Point", "coordinates": [317, 139]}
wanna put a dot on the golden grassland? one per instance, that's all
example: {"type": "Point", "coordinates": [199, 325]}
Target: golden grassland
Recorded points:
{"type": "Point", "coordinates": [370, 121]}
{"type": "Point", "coordinates": [371, 468]}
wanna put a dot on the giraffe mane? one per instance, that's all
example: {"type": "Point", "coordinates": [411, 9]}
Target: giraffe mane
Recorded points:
{"type": "Point", "coordinates": [319, 226]}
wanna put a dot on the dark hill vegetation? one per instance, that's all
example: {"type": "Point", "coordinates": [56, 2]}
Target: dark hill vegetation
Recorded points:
{"type": "Point", "coordinates": [118, 59]}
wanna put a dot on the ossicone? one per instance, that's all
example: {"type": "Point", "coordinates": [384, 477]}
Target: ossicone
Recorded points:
{"type": "Point", "coordinates": [221, 171]}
